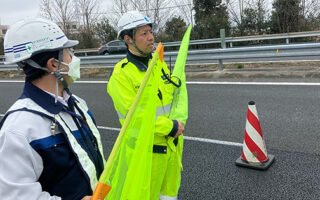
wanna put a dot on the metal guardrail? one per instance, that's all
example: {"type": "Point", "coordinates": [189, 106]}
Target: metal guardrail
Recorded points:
{"type": "Point", "coordinates": [227, 55]}
{"type": "Point", "coordinates": [85, 51]}
{"type": "Point", "coordinates": [306, 51]}
{"type": "Point", "coordinates": [229, 40]}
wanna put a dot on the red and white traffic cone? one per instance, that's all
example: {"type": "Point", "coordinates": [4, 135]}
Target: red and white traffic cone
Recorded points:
{"type": "Point", "coordinates": [254, 152]}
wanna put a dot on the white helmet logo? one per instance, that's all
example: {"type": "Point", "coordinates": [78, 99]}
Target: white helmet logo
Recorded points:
{"type": "Point", "coordinates": [37, 45]}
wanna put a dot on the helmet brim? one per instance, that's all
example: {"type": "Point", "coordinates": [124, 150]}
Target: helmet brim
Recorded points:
{"type": "Point", "coordinates": [70, 43]}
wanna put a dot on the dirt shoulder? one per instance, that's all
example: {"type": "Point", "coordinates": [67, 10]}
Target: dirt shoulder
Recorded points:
{"type": "Point", "coordinates": [258, 70]}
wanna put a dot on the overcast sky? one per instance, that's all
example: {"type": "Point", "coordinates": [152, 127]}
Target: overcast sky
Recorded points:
{"type": "Point", "coordinates": [15, 10]}
{"type": "Point", "coordinates": [12, 11]}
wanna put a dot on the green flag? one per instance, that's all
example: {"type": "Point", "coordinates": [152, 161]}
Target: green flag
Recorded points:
{"type": "Point", "coordinates": [179, 109]}
{"type": "Point", "coordinates": [127, 173]}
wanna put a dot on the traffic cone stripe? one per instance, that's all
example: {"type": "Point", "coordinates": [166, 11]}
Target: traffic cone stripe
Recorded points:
{"type": "Point", "coordinates": [254, 149]}
{"type": "Point", "coordinates": [254, 135]}
{"type": "Point", "coordinates": [249, 157]}
{"type": "Point", "coordinates": [254, 121]}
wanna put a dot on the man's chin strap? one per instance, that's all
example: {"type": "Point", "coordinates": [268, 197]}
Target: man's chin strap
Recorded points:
{"type": "Point", "coordinates": [58, 75]}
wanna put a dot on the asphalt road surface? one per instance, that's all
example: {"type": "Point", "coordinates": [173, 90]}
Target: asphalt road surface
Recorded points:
{"type": "Point", "coordinates": [289, 117]}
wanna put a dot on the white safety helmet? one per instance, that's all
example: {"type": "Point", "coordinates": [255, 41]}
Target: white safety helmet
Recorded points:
{"type": "Point", "coordinates": [32, 36]}
{"type": "Point", "coordinates": [132, 20]}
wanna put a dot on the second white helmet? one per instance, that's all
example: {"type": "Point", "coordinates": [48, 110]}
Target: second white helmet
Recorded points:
{"type": "Point", "coordinates": [132, 20]}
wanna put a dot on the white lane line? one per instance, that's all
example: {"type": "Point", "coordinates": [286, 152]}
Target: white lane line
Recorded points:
{"type": "Point", "coordinates": [189, 138]}
{"type": "Point", "coordinates": [200, 83]}
{"type": "Point", "coordinates": [109, 128]}
{"type": "Point", "coordinates": [185, 137]}
{"type": "Point", "coordinates": [11, 81]}
{"type": "Point", "coordinates": [252, 83]}
{"type": "Point", "coordinates": [213, 141]}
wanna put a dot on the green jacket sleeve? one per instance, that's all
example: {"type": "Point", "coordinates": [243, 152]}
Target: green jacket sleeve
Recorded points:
{"type": "Point", "coordinates": [122, 93]}
{"type": "Point", "coordinates": [166, 126]}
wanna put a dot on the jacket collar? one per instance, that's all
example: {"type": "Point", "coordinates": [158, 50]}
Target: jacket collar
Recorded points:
{"type": "Point", "coordinates": [140, 62]}
{"type": "Point", "coordinates": [42, 98]}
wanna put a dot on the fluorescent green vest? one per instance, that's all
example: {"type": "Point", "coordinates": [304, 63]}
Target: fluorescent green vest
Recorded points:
{"type": "Point", "coordinates": [123, 87]}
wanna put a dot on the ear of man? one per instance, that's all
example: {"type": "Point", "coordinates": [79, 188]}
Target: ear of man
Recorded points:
{"type": "Point", "coordinates": [52, 65]}
{"type": "Point", "coordinates": [128, 39]}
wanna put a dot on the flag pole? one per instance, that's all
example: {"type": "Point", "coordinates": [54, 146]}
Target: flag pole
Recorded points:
{"type": "Point", "coordinates": [102, 188]}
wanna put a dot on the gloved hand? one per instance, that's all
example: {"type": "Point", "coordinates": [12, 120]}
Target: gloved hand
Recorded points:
{"type": "Point", "coordinates": [180, 129]}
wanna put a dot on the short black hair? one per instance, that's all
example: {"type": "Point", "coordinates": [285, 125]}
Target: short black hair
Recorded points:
{"type": "Point", "coordinates": [41, 59]}
{"type": "Point", "coordinates": [126, 32]}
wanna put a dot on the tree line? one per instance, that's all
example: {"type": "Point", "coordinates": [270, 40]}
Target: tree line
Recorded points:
{"type": "Point", "coordinates": [237, 17]}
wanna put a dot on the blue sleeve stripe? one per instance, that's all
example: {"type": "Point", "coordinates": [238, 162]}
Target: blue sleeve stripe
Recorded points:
{"type": "Point", "coordinates": [48, 142]}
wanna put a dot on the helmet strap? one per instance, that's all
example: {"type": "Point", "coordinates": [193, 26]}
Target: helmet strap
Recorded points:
{"type": "Point", "coordinates": [59, 76]}
{"type": "Point", "coordinates": [33, 64]}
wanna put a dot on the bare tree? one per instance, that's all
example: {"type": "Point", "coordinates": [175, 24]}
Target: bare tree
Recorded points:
{"type": "Point", "coordinates": [185, 9]}
{"type": "Point", "coordinates": [120, 6]}
{"type": "Point", "coordinates": [158, 10]}
{"type": "Point", "coordinates": [45, 9]}
{"type": "Point", "coordinates": [236, 10]}
{"type": "Point", "coordinates": [60, 11]}
{"type": "Point", "coordinates": [310, 10]}
{"type": "Point", "coordinates": [310, 7]}
{"type": "Point", "coordinates": [89, 12]}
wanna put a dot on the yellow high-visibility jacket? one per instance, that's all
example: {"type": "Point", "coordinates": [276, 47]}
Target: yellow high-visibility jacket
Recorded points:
{"type": "Point", "coordinates": [123, 86]}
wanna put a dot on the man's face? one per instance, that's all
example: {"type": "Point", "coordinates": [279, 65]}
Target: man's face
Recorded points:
{"type": "Point", "coordinates": [144, 39]}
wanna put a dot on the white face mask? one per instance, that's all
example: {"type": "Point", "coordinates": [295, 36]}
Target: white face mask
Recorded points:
{"type": "Point", "coordinates": [74, 68]}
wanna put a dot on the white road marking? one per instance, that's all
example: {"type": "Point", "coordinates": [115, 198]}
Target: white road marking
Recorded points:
{"type": "Point", "coordinates": [185, 137]}
{"type": "Point", "coordinates": [252, 83]}
{"type": "Point", "coordinates": [189, 138]}
{"type": "Point", "coordinates": [200, 83]}
{"type": "Point", "coordinates": [108, 128]}
{"type": "Point", "coordinates": [11, 81]}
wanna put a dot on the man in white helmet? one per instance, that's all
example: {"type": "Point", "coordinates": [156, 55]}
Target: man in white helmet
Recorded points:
{"type": "Point", "coordinates": [136, 30]}
{"type": "Point", "coordinates": [50, 147]}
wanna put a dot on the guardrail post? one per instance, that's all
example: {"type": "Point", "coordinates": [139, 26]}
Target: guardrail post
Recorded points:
{"type": "Point", "coordinates": [287, 40]}
{"type": "Point", "coordinates": [223, 38]}
{"type": "Point", "coordinates": [220, 65]}
{"type": "Point", "coordinates": [223, 45]}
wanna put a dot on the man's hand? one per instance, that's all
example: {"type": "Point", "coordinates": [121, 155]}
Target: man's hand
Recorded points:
{"type": "Point", "coordinates": [180, 129]}
{"type": "Point", "coordinates": [86, 198]}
